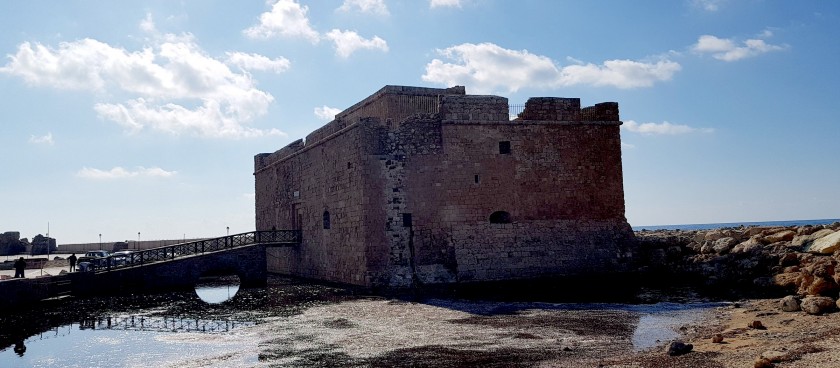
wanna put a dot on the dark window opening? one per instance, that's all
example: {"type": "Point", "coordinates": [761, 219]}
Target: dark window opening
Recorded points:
{"type": "Point", "coordinates": [500, 217]}
{"type": "Point", "coordinates": [476, 179]}
{"type": "Point", "coordinates": [406, 220]}
{"type": "Point", "coordinates": [326, 219]}
{"type": "Point", "coordinates": [349, 165]}
{"type": "Point", "coordinates": [504, 147]}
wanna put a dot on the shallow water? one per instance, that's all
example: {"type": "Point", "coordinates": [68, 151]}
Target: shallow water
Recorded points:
{"type": "Point", "coordinates": [295, 324]}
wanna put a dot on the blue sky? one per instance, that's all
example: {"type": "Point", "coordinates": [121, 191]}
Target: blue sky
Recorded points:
{"type": "Point", "coordinates": [126, 117]}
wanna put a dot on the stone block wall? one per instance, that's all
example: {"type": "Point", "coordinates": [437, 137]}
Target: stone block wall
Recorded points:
{"type": "Point", "coordinates": [410, 192]}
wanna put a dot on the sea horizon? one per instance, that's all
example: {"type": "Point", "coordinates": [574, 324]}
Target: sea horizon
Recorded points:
{"type": "Point", "coordinates": [719, 225]}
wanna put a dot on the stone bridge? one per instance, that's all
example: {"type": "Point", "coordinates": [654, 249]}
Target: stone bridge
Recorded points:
{"type": "Point", "coordinates": [180, 266]}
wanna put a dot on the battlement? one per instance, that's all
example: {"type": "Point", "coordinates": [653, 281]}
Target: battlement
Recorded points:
{"type": "Point", "coordinates": [567, 109]}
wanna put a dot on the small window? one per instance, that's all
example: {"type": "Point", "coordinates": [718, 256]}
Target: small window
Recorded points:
{"type": "Point", "coordinates": [500, 217]}
{"type": "Point", "coordinates": [406, 220]}
{"type": "Point", "coordinates": [326, 219]}
{"type": "Point", "coordinates": [504, 147]}
{"type": "Point", "coordinates": [477, 179]}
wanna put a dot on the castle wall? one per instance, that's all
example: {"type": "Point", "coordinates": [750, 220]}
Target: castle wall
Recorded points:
{"type": "Point", "coordinates": [410, 200]}
{"type": "Point", "coordinates": [297, 191]}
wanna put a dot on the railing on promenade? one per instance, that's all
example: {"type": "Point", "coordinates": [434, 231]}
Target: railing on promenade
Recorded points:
{"type": "Point", "coordinates": [136, 258]}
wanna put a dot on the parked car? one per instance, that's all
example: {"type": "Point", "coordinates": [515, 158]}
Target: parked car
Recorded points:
{"type": "Point", "coordinates": [94, 259]}
{"type": "Point", "coordinates": [121, 258]}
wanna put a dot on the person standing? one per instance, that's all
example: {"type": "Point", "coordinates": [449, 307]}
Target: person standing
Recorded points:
{"type": "Point", "coordinates": [72, 260]}
{"type": "Point", "coordinates": [20, 265]}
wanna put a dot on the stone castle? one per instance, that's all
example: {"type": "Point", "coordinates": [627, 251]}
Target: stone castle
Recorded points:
{"type": "Point", "coordinates": [417, 186]}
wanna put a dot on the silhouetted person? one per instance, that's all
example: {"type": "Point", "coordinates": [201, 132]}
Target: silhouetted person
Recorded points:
{"type": "Point", "coordinates": [20, 348]}
{"type": "Point", "coordinates": [20, 265]}
{"type": "Point", "coordinates": [72, 260]}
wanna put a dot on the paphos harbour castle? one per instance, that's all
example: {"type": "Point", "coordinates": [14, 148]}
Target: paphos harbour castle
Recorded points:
{"type": "Point", "coordinates": [418, 186]}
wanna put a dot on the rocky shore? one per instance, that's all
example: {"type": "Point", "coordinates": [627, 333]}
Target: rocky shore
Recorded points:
{"type": "Point", "coordinates": [787, 281]}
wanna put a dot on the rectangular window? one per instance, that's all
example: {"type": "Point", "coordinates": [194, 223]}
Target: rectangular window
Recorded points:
{"type": "Point", "coordinates": [406, 220]}
{"type": "Point", "coordinates": [504, 147]}
{"type": "Point", "coordinates": [476, 179]}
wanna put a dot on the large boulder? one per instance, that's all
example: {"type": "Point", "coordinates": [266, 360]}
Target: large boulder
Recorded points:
{"type": "Point", "coordinates": [825, 245]}
{"type": "Point", "coordinates": [805, 240]}
{"type": "Point", "coordinates": [748, 246]}
{"type": "Point", "coordinates": [785, 235]}
{"type": "Point", "coordinates": [724, 245]}
{"type": "Point", "coordinates": [789, 304]}
{"type": "Point", "coordinates": [817, 304]}
{"type": "Point", "coordinates": [679, 348]}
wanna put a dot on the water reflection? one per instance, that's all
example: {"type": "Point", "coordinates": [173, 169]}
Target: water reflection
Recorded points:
{"type": "Point", "coordinates": [217, 290]}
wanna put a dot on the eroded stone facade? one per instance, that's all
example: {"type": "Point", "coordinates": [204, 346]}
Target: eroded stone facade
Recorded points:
{"type": "Point", "coordinates": [426, 186]}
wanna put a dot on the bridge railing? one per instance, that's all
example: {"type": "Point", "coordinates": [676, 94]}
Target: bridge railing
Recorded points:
{"type": "Point", "coordinates": [117, 261]}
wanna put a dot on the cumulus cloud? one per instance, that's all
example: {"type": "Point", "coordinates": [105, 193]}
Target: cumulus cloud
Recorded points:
{"type": "Point", "coordinates": [258, 62]}
{"type": "Point", "coordinates": [326, 113]}
{"type": "Point", "coordinates": [444, 3]}
{"type": "Point", "coordinates": [44, 139]}
{"type": "Point", "coordinates": [171, 85]}
{"type": "Point", "coordinates": [121, 173]}
{"type": "Point", "coordinates": [487, 67]}
{"type": "Point", "coordinates": [729, 50]}
{"type": "Point", "coordinates": [365, 6]}
{"type": "Point", "coordinates": [348, 42]}
{"type": "Point", "coordinates": [664, 128]}
{"type": "Point", "coordinates": [286, 18]}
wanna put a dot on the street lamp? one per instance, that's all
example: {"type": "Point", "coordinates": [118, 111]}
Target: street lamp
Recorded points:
{"type": "Point", "coordinates": [100, 241]}
{"type": "Point", "coordinates": [138, 241]}
{"type": "Point", "coordinates": [228, 230]}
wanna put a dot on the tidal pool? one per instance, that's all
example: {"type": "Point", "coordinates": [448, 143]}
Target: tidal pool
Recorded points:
{"type": "Point", "coordinates": [291, 323]}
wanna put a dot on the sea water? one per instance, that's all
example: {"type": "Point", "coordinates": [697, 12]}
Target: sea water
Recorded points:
{"type": "Point", "coordinates": [736, 224]}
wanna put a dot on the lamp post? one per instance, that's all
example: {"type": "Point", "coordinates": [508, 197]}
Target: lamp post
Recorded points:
{"type": "Point", "coordinates": [138, 241]}
{"type": "Point", "coordinates": [228, 230]}
{"type": "Point", "coordinates": [100, 241]}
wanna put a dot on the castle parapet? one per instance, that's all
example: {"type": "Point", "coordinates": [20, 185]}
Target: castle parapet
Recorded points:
{"type": "Point", "coordinates": [474, 108]}
{"type": "Point", "coordinates": [567, 109]}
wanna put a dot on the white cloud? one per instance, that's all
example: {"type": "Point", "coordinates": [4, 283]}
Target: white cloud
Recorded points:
{"type": "Point", "coordinates": [444, 3]}
{"type": "Point", "coordinates": [148, 24]}
{"type": "Point", "coordinates": [487, 67]}
{"type": "Point", "coordinates": [347, 42]}
{"type": "Point", "coordinates": [365, 6]}
{"type": "Point", "coordinates": [708, 5]}
{"type": "Point", "coordinates": [664, 128]}
{"type": "Point", "coordinates": [728, 50]}
{"type": "Point", "coordinates": [171, 85]}
{"type": "Point", "coordinates": [45, 139]}
{"type": "Point", "coordinates": [627, 145]}
{"type": "Point", "coordinates": [287, 18]}
{"type": "Point", "coordinates": [326, 113]}
{"type": "Point", "coordinates": [258, 62]}
{"type": "Point", "coordinates": [121, 173]}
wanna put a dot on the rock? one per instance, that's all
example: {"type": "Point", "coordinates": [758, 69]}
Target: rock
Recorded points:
{"type": "Point", "coordinates": [756, 325]}
{"type": "Point", "coordinates": [763, 363]}
{"type": "Point", "coordinates": [817, 304]}
{"type": "Point", "coordinates": [791, 269]}
{"type": "Point", "coordinates": [789, 259]}
{"type": "Point", "coordinates": [717, 339]}
{"type": "Point", "coordinates": [822, 286]}
{"type": "Point", "coordinates": [724, 245]}
{"type": "Point", "coordinates": [707, 249]}
{"type": "Point", "coordinates": [788, 279]}
{"type": "Point", "coordinates": [714, 235]}
{"type": "Point", "coordinates": [806, 230]}
{"type": "Point", "coordinates": [749, 245]}
{"type": "Point", "coordinates": [789, 304]}
{"type": "Point", "coordinates": [774, 356]}
{"type": "Point", "coordinates": [825, 245]}
{"type": "Point", "coordinates": [805, 240]}
{"type": "Point", "coordinates": [785, 235]}
{"type": "Point", "coordinates": [679, 348]}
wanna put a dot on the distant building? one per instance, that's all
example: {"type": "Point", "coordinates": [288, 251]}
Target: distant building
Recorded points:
{"type": "Point", "coordinates": [423, 186]}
